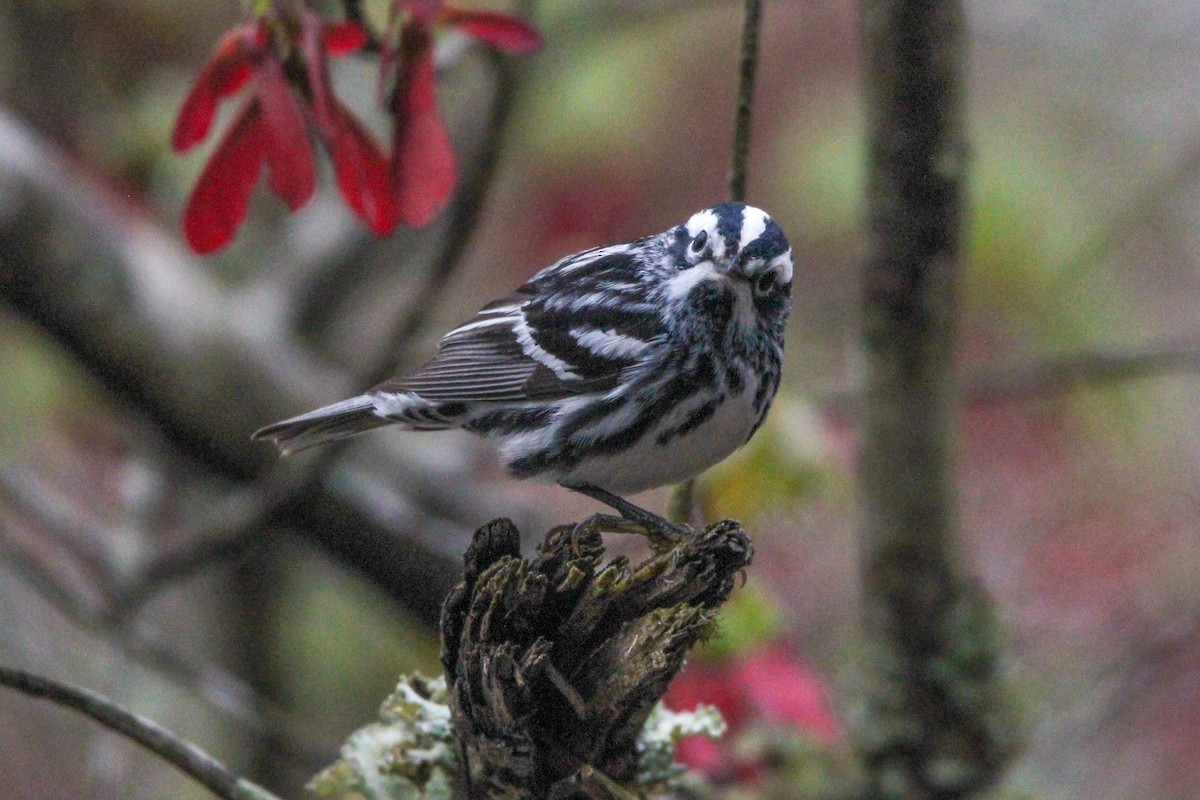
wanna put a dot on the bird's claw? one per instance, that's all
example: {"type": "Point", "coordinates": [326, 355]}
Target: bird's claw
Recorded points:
{"type": "Point", "coordinates": [661, 535]}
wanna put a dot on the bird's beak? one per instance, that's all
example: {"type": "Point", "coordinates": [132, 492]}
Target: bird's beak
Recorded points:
{"type": "Point", "coordinates": [729, 266]}
{"type": "Point", "coordinates": [722, 264]}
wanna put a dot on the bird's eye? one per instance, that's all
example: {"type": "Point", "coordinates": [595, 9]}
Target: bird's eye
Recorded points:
{"type": "Point", "coordinates": [765, 282]}
{"type": "Point", "coordinates": [699, 242]}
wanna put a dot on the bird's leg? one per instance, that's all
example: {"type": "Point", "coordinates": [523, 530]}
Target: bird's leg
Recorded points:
{"type": "Point", "coordinates": [663, 535]}
{"type": "Point", "coordinates": [604, 523]}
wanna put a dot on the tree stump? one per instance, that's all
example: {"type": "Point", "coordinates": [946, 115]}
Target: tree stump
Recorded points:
{"type": "Point", "coordinates": [553, 664]}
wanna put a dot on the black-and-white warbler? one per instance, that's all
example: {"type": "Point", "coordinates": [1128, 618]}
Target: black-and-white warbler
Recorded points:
{"type": "Point", "coordinates": [615, 370]}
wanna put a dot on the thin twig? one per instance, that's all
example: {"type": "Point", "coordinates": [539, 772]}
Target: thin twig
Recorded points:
{"type": "Point", "coordinates": [223, 535]}
{"type": "Point", "coordinates": [69, 525]}
{"type": "Point", "coordinates": [24, 489]}
{"type": "Point", "coordinates": [747, 67]}
{"type": "Point", "coordinates": [46, 584]}
{"type": "Point", "coordinates": [682, 499]}
{"type": "Point", "coordinates": [1066, 374]}
{"type": "Point", "coordinates": [184, 755]}
{"type": "Point", "coordinates": [217, 686]}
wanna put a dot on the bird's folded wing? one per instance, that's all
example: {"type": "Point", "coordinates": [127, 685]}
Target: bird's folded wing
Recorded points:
{"type": "Point", "coordinates": [559, 335]}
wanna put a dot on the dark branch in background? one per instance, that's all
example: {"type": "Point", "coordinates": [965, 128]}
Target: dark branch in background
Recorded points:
{"type": "Point", "coordinates": [937, 725]}
{"type": "Point", "coordinates": [108, 617]}
{"type": "Point", "coordinates": [1067, 374]}
{"type": "Point", "coordinates": [682, 499]}
{"type": "Point", "coordinates": [1055, 376]}
{"type": "Point", "coordinates": [203, 363]}
{"type": "Point", "coordinates": [185, 756]}
{"type": "Point", "coordinates": [1070, 372]}
{"type": "Point", "coordinates": [140, 314]}
{"type": "Point", "coordinates": [353, 10]}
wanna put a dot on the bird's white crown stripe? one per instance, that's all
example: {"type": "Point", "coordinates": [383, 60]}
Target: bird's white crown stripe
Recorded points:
{"type": "Point", "coordinates": [754, 222]}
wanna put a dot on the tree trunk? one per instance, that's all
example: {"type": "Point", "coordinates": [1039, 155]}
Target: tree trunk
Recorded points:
{"type": "Point", "coordinates": [937, 726]}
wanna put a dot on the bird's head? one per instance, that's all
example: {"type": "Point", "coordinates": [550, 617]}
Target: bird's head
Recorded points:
{"type": "Point", "coordinates": [734, 256]}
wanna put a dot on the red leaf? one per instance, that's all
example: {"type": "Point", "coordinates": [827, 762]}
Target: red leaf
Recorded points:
{"type": "Point", "coordinates": [326, 111]}
{"type": "Point", "coordinates": [780, 689]}
{"type": "Point", "coordinates": [423, 171]}
{"type": "Point", "coordinates": [709, 684]}
{"type": "Point", "coordinates": [221, 198]}
{"type": "Point", "coordinates": [504, 32]}
{"type": "Point", "coordinates": [343, 38]}
{"type": "Point", "coordinates": [700, 753]}
{"type": "Point", "coordinates": [361, 168]}
{"type": "Point", "coordinates": [225, 73]}
{"type": "Point", "coordinates": [289, 153]}
{"type": "Point", "coordinates": [363, 173]}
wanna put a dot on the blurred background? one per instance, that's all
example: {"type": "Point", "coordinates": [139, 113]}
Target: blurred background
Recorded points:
{"type": "Point", "coordinates": [150, 552]}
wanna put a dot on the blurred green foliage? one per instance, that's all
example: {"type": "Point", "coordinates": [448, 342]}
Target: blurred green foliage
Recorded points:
{"type": "Point", "coordinates": [336, 646]}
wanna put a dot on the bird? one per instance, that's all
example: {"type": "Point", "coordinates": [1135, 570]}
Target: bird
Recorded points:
{"type": "Point", "coordinates": [612, 371]}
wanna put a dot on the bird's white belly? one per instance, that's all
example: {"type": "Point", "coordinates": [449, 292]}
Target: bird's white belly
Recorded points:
{"type": "Point", "coordinates": [648, 464]}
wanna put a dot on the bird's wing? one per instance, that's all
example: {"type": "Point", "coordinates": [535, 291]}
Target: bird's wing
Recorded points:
{"type": "Point", "coordinates": [571, 330]}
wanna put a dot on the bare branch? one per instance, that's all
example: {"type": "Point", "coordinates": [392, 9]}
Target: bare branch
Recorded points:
{"type": "Point", "coordinates": [1055, 376]}
{"type": "Point", "coordinates": [107, 616]}
{"type": "Point", "coordinates": [185, 756]}
{"type": "Point", "coordinates": [141, 312]}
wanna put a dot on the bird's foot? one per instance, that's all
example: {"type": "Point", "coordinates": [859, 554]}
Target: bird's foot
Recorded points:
{"type": "Point", "coordinates": [661, 533]}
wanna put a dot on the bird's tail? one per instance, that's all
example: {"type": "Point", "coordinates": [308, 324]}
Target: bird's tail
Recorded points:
{"type": "Point", "coordinates": [327, 424]}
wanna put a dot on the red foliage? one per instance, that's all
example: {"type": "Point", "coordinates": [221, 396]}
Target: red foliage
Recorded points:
{"type": "Point", "coordinates": [423, 170]}
{"type": "Point", "coordinates": [271, 128]}
{"type": "Point", "coordinates": [344, 38]}
{"type": "Point", "coordinates": [769, 686]}
{"type": "Point", "coordinates": [226, 72]}
{"type": "Point", "coordinates": [359, 164]}
{"type": "Point", "coordinates": [219, 201]}
{"type": "Point", "coordinates": [423, 164]}
{"type": "Point", "coordinates": [412, 185]}
{"type": "Point", "coordinates": [506, 34]}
